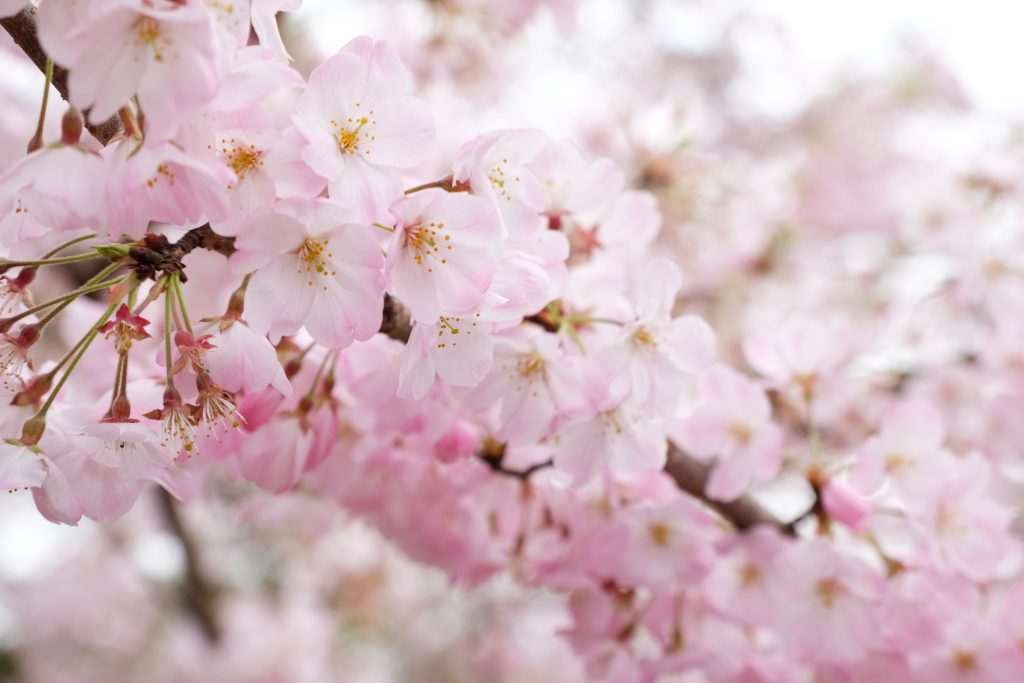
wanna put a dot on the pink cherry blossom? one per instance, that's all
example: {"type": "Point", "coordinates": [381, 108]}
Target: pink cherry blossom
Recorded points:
{"type": "Point", "coordinates": [830, 603]}
{"type": "Point", "coordinates": [20, 467]}
{"type": "Point", "coordinates": [534, 384]}
{"type": "Point", "coordinates": [264, 22]}
{"type": "Point", "coordinates": [617, 437]}
{"type": "Point", "coordinates": [239, 359]}
{"type": "Point", "coordinates": [165, 184]}
{"type": "Point", "coordinates": [314, 268]}
{"type": "Point", "coordinates": [496, 167]}
{"type": "Point", "coordinates": [654, 352]}
{"type": "Point", "coordinates": [360, 127]}
{"type": "Point", "coordinates": [443, 255]}
{"type": "Point", "coordinates": [163, 51]}
{"type": "Point", "coordinates": [909, 443]}
{"type": "Point", "coordinates": [107, 465]}
{"type": "Point", "coordinates": [459, 350]}
{"type": "Point", "coordinates": [733, 424]}
{"type": "Point", "coordinates": [56, 188]}
{"type": "Point", "coordinates": [844, 505]}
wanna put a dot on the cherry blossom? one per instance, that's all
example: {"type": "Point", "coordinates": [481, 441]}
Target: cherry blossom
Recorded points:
{"type": "Point", "coordinates": [442, 257]}
{"type": "Point", "coordinates": [688, 395]}
{"type": "Point", "coordinates": [360, 127]}
{"type": "Point", "coordinates": [310, 262]}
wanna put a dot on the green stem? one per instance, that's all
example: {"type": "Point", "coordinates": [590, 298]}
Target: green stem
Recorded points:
{"type": "Point", "coordinates": [88, 256]}
{"type": "Point", "coordinates": [82, 346]}
{"type": "Point", "coordinates": [168, 317]}
{"type": "Point", "coordinates": [61, 247]}
{"type": "Point", "coordinates": [176, 284]}
{"type": "Point", "coordinates": [586, 320]}
{"type": "Point", "coordinates": [54, 312]}
{"type": "Point", "coordinates": [46, 98]}
{"type": "Point", "coordinates": [70, 296]}
{"type": "Point", "coordinates": [122, 358]}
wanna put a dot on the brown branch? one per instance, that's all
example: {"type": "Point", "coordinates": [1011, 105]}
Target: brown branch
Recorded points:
{"type": "Point", "coordinates": [691, 475]}
{"type": "Point", "coordinates": [492, 454]}
{"type": "Point", "coordinates": [22, 29]}
{"type": "Point", "coordinates": [197, 593]}
{"type": "Point", "coordinates": [397, 323]}
{"type": "Point", "coordinates": [157, 254]}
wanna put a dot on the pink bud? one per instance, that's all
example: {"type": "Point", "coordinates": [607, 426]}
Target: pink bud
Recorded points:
{"type": "Point", "coordinates": [71, 125]}
{"type": "Point", "coordinates": [843, 505]}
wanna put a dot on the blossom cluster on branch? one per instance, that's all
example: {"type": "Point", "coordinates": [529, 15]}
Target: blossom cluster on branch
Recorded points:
{"type": "Point", "coordinates": [494, 363]}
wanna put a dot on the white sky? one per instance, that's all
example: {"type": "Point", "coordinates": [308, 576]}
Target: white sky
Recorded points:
{"type": "Point", "coordinates": [980, 39]}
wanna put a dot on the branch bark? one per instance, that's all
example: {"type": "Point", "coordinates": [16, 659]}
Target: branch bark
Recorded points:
{"type": "Point", "coordinates": [22, 29]}
{"type": "Point", "coordinates": [691, 475]}
{"type": "Point", "coordinates": [197, 593]}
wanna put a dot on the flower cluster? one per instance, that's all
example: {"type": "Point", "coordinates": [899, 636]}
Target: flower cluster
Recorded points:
{"type": "Point", "coordinates": [489, 354]}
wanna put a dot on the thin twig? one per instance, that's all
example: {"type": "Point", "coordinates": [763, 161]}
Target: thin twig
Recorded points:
{"type": "Point", "coordinates": [22, 29]}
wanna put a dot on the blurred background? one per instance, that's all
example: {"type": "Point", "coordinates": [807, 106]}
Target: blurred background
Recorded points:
{"type": "Point", "coordinates": [751, 121]}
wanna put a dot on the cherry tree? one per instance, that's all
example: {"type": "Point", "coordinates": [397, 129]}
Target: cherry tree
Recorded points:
{"type": "Point", "coordinates": [745, 409]}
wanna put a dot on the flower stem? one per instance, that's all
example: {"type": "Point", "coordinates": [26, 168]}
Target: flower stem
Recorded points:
{"type": "Point", "coordinates": [63, 299]}
{"type": "Point", "coordinates": [176, 284]}
{"type": "Point", "coordinates": [446, 183]}
{"type": "Point", "coordinates": [61, 247]}
{"type": "Point", "coordinates": [37, 140]}
{"type": "Point", "coordinates": [168, 317]}
{"type": "Point", "coordinates": [82, 347]}
{"type": "Point", "coordinates": [87, 256]}
{"type": "Point", "coordinates": [55, 311]}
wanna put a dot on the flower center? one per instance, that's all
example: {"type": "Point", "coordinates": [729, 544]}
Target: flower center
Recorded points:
{"type": "Point", "coordinates": [427, 240]}
{"type": "Point", "coordinates": [896, 462]}
{"type": "Point", "coordinates": [660, 534]}
{"type": "Point", "coordinates": [827, 590]}
{"type": "Point", "coordinates": [315, 259]}
{"type": "Point", "coordinates": [452, 326]}
{"type": "Point", "coordinates": [643, 337]}
{"type": "Point", "coordinates": [349, 134]}
{"type": "Point", "coordinates": [148, 34]}
{"type": "Point", "coordinates": [243, 159]}
{"type": "Point", "coordinates": [749, 575]}
{"type": "Point", "coordinates": [532, 367]}
{"type": "Point", "coordinates": [499, 179]}
{"type": "Point", "coordinates": [741, 432]}
{"type": "Point", "coordinates": [964, 661]}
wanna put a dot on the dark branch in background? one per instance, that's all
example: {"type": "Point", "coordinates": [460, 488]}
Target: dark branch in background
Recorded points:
{"type": "Point", "coordinates": [396, 322]}
{"type": "Point", "coordinates": [196, 592]}
{"type": "Point", "coordinates": [22, 29]}
{"type": "Point", "coordinates": [691, 475]}
{"type": "Point", "coordinates": [492, 454]}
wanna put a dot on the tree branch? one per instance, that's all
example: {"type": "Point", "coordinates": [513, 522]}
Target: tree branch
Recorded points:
{"type": "Point", "coordinates": [691, 475]}
{"type": "Point", "coordinates": [22, 29]}
{"type": "Point", "coordinates": [196, 591]}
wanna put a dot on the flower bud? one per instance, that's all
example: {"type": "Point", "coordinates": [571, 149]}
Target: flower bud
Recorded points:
{"type": "Point", "coordinates": [120, 410]}
{"type": "Point", "coordinates": [32, 430]}
{"type": "Point", "coordinates": [34, 391]}
{"type": "Point", "coordinates": [71, 126]}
